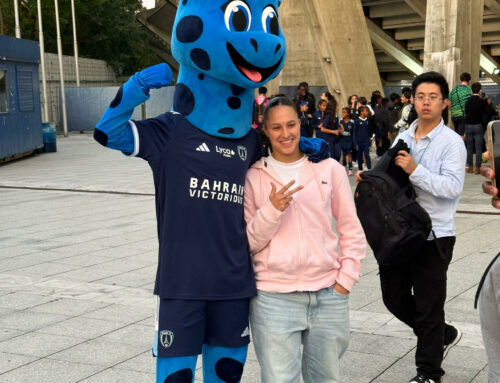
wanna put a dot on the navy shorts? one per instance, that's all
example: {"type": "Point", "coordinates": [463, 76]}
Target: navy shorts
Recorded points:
{"type": "Point", "coordinates": [184, 326]}
{"type": "Point", "coordinates": [347, 146]}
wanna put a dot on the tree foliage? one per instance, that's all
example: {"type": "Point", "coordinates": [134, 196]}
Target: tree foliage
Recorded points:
{"type": "Point", "coordinates": [106, 30]}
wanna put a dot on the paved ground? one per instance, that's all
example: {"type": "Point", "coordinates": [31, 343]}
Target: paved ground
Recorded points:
{"type": "Point", "coordinates": [77, 263]}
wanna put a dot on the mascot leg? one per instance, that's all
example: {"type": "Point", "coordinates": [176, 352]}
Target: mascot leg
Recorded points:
{"type": "Point", "coordinates": [223, 364]}
{"type": "Point", "coordinates": [175, 369]}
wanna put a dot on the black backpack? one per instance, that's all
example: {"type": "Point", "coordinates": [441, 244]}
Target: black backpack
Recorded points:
{"type": "Point", "coordinates": [395, 225]}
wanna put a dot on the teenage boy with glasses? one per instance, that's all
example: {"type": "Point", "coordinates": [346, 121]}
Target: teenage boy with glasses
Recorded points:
{"type": "Point", "coordinates": [416, 292]}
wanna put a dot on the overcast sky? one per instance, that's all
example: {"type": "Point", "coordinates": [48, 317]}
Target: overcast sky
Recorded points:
{"type": "Point", "coordinates": [148, 3]}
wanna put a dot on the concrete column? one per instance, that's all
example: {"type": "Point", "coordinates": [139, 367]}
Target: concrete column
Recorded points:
{"type": "Point", "coordinates": [453, 38]}
{"type": "Point", "coordinates": [342, 51]}
{"type": "Point", "coordinates": [303, 61]}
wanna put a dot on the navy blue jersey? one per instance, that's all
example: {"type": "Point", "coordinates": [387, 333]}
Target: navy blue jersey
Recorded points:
{"type": "Point", "coordinates": [199, 183]}
{"type": "Point", "coordinates": [316, 120]}
{"type": "Point", "coordinates": [361, 131]}
{"type": "Point", "coordinates": [328, 137]}
{"type": "Point", "coordinates": [348, 130]}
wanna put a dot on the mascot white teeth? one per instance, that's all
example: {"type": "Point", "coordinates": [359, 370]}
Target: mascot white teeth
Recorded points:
{"type": "Point", "coordinates": [199, 154]}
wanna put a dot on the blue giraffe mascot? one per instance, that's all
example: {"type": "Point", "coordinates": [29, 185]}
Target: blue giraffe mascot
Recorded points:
{"type": "Point", "coordinates": [199, 154]}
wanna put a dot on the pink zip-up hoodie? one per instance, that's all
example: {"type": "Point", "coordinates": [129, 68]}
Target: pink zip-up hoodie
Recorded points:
{"type": "Point", "coordinates": [296, 250]}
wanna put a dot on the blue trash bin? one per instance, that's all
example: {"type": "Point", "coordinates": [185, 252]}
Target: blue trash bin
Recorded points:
{"type": "Point", "coordinates": [49, 137]}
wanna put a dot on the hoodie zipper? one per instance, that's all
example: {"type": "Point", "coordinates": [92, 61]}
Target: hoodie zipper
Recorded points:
{"type": "Point", "coordinates": [299, 236]}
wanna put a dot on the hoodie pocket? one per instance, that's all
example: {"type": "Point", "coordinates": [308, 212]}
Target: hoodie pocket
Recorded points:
{"type": "Point", "coordinates": [320, 253]}
{"type": "Point", "coordinates": [284, 253]}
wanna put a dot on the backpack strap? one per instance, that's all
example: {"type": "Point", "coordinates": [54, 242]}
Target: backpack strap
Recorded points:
{"type": "Point", "coordinates": [481, 283]}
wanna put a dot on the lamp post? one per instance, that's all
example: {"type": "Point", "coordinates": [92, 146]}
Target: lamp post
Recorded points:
{"type": "Point", "coordinates": [75, 43]}
{"type": "Point", "coordinates": [16, 18]}
{"type": "Point", "coordinates": [61, 73]}
{"type": "Point", "coordinates": [42, 63]}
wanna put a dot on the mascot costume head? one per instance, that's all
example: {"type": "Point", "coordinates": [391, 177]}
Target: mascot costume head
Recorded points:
{"type": "Point", "coordinates": [225, 49]}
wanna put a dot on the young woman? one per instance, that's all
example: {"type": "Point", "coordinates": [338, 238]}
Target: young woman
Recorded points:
{"type": "Point", "coordinates": [303, 282]}
{"type": "Point", "coordinates": [330, 130]}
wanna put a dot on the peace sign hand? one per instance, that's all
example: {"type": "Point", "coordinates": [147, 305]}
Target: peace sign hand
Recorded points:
{"type": "Point", "coordinates": [281, 199]}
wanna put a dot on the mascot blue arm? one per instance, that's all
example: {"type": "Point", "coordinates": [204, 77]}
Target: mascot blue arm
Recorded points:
{"type": "Point", "coordinates": [113, 130]}
{"type": "Point", "coordinates": [225, 49]}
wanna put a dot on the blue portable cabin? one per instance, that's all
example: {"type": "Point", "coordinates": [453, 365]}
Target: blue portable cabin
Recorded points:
{"type": "Point", "coordinates": [20, 111]}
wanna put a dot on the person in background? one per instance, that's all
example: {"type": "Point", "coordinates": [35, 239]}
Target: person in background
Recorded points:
{"type": "Point", "coordinates": [402, 123]}
{"type": "Point", "coordinates": [330, 130]}
{"type": "Point", "coordinates": [361, 137]}
{"type": "Point", "coordinates": [305, 128]}
{"type": "Point", "coordinates": [394, 112]}
{"type": "Point", "coordinates": [383, 118]}
{"type": "Point", "coordinates": [304, 95]}
{"type": "Point", "coordinates": [353, 106]}
{"type": "Point", "coordinates": [300, 317]}
{"type": "Point", "coordinates": [475, 110]}
{"type": "Point", "coordinates": [259, 104]}
{"type": "Point", "coordinates": [318, 116]}
{"type": "Point", "coordinates": [346, 142]}
{"type": "Point", "coordinates": [458, 97]}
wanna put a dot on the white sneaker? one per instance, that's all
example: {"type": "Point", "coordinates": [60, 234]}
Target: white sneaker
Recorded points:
{"type": "Point", "coordinates": [421, 379]}
{"type": "Point", "coordinates": [454, 341]}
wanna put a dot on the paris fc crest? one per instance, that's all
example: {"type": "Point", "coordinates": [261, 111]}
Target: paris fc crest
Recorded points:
{"type": "Point", "coordinates": [166, 338]}
{"type": "Point", "coordinates": [242, 152]}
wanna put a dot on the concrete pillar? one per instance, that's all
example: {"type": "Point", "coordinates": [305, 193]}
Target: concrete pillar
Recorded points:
{"type": "Point", "coordinates": [453, 38]}
{"type": "Point", "coordinates": [303, 61]}
{"type": "Point", "coordinates": [337, 52]}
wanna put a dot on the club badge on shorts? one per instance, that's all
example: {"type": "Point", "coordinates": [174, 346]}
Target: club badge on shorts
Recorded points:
{"type": "Point", "coordinates": [166, 338]}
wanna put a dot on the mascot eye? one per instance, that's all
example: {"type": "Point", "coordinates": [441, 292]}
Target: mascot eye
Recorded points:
{"type": "Point", "coordinates": [237, 16]}
{"type": "Point", "coordinates": [270, 21]}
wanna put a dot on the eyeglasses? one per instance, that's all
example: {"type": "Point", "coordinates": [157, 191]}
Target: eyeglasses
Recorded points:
{"type": "Point", "coordinates": [432, 98]}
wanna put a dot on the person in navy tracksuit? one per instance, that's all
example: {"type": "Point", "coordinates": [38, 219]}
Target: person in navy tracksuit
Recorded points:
{"type": "Point", "coordinates": [361, 137]}
{"type": "Point", "coordinates": [318, 117]}
{"type": "Point", "coordinates": [329, 130]}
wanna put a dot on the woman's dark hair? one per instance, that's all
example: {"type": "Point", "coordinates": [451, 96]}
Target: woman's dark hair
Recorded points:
{"type": "Point", "coordinates": [362, 100]}
{"type": "Point", "coordinates": [262, 90]}
{"type": "Point", "coordinates": [331, 110]}
{"type": "Point", "coordinates": [278, 101]}
{"type": "Point", "coordinates": [350, 98]}
{"type": "Point", "coordinates": [348, 110]}
{"type": "Point", "coordinates": [375, 96]}
{"type": "Point", "coordinates": [328, 96]}
{"type": "Point", "coordinates": [433, 78]}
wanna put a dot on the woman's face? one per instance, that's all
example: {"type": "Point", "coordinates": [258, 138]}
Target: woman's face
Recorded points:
{"type": "Point", "coordinates": [282, 127]}
{"type": "Point", "coordinates": [323, 97]}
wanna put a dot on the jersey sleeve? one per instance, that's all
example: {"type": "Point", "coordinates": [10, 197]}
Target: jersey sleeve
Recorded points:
{"type": "Point", "coordinates": [152, 136]}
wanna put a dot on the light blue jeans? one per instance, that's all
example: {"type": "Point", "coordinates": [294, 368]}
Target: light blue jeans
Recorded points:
{"type": "Point", "coordinates": [281, 323]}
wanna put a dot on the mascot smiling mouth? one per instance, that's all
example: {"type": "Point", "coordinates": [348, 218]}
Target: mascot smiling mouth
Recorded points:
{"type": "Point", "coordinates": [252, 72]}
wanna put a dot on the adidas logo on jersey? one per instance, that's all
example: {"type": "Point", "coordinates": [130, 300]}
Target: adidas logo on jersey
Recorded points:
{"type": "Point", "coordinates": [203, 148]}
{"type": "Point", "coordinates": [245, 333]}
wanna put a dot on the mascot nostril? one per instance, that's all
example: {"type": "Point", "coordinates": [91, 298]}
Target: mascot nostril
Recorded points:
{"type": "Point", "coordinates": [199, 154]}
{"type": "Point", "coordinates": [254, 44]}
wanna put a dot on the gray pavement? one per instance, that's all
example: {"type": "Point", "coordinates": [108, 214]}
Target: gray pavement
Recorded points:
{"type": "Point", "coordinates": [77, 265]}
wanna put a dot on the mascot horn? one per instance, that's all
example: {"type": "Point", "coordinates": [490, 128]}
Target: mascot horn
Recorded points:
{"type": "Point", "coordinates": [199, 154]}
